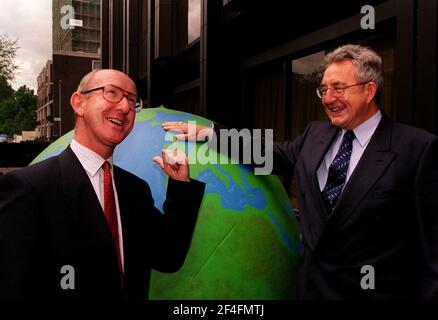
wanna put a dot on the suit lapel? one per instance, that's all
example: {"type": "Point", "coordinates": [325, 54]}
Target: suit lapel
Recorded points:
{"type": "Point", "coordinates": [80, 200]}
{"type": "Point", "coordinates": [373, 163]}
{"type": "Point", "coordinates": [323, 141]}
{"type": "Point", "coordinates": [76, 185]}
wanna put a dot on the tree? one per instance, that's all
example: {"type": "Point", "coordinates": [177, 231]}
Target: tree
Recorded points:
{"type": "Point", "coordinates": [5, 88]}
{"type": "Point", "coordinates": [8, 50]}
{"type": "Point", "coordinates": [18, 112]}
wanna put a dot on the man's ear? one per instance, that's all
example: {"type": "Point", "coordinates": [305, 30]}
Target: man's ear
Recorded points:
{"type": "Point", "coordinates": [77, 102]}
{"type": "Point", "coordinates": [372, 91]}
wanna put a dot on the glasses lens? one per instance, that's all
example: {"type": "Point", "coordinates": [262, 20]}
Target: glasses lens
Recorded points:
{"type": "Point", "coordinates": [338, 91]}
{"type": "Point", "coordinates": [115, 95]}
{"type": "Point", "coordinates": [112, 94]}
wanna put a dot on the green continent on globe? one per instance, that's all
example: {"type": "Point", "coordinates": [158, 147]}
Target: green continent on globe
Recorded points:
{"type": "Point", "coordinates": [245, 243]}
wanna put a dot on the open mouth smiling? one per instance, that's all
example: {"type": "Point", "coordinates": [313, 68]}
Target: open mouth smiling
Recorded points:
{"type": "Point", "coordinates": [115, 121]}
{"type": "Point", "coordinates": [336, 108]}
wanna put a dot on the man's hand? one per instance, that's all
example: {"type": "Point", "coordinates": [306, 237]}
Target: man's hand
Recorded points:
{"type": "Point", "coordinates": [175, 164]}
{"type": "Point", "coordinates": [189, 131]}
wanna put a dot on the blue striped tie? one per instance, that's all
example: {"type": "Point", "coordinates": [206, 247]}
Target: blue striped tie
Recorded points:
{"type": "Point", "coordinates": [338, 172]}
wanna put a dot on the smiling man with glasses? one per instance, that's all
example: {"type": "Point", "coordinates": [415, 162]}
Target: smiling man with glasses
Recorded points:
{"type": "Point", "coordinates": [79, 212]}
{"type": "Point", "coordinates": [368, 195]}
{"type": "Point", "coordinates": [367, 190]}
{"type": "Point", "coordinates": [115, 94]}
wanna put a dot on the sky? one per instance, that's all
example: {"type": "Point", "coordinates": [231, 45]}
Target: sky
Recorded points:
{"type": "Point", "coordinates": [29, 21]}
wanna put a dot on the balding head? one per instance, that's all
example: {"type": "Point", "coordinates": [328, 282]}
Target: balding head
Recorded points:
{"type": "Point", "coordinates": [88, 80]}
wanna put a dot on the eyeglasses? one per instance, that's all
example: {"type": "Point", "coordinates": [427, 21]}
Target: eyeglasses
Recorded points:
{"type": "Point", "coordinates": [114, 94]}
{"type": "Point", "coordinates": [337, 91]}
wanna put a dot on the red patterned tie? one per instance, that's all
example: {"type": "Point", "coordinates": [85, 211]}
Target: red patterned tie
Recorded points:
{"type": "Point", "coordinates": [110, 210]}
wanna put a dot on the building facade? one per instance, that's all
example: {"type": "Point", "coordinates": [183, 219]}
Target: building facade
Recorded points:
{"type": "Point", "coordinates": [80, 35]}
{"type": "Point", "coordinates": [68, 70]}
{"type": "Point", "coordinates": [46, 126]}
{"type": "Point", "coordinates": [259, 57]}
{"type": "Point", "coordinates": [76, 51]}
{"type": "Point", "coordinates": [257, 63]}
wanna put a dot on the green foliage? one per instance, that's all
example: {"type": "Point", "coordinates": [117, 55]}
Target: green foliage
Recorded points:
{"type": "Point", "coordinates": [18, 111]}
{"type": "Point", "coordinates": [17, 108]}
{"type": "Point", "coordinates": [8, 50]}
{"type": "Point", "coordinates": [5, 89]}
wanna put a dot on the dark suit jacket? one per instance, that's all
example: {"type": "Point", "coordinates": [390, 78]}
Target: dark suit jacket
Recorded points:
{"type": "Point", "coordinates": [50, 216]}
{"type": "Point", "coordinates": [386, 217]}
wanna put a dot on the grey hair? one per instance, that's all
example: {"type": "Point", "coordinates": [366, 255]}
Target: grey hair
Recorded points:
{"type": "Point", "coordinates": [86, 79]}
{"type": "Point", "coordinates": [368, 63]}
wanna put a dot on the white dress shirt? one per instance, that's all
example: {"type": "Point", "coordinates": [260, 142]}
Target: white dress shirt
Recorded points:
{"type": "Point", "coordinates": [92, 163]}
{"type": "Point", "coordinates": [363, 134]}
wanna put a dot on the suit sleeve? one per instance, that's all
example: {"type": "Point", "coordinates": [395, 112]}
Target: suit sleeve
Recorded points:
{"type": "Point", "coordinates": [281, 155]}
{"type": "Point", "coordinates": [20, 240]}
{"type": "Point", "coordinates": [170, 233]}
{"type": "Point", "coordinates": [426, 194]}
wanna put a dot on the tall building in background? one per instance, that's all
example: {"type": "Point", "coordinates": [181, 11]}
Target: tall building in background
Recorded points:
{"type": "Point", "coordinates": [44, 129]}
{"type": "Point", "coordinates": [76, 51]}
{"type": "Point", "coordinates": [85, 36]}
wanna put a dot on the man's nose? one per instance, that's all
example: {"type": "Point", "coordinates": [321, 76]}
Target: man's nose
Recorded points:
{"type": "Point", "coordinates": [328, 96]}
{"type": "Point", "coordinates": [124, 104]}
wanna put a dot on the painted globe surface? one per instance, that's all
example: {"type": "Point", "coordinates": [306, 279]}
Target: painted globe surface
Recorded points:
{"type": "Point", "coordinates": [245, 241]}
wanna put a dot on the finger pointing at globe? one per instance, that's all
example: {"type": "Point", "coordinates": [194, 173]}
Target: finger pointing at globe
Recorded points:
{"type": "Point", "coordinates": [174, 163]}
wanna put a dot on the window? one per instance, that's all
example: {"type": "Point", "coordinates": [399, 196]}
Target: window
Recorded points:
{"type": "Point", "coordinates": [96, 64]}
{"type": "Point", "coordinates": [194, 20]}
{"type": "Point", "coordinates": [265, 100]}
{"type": "Point", "coordinates": [306, 106]}
{"type": "Point", "coordinates": [187, 22]}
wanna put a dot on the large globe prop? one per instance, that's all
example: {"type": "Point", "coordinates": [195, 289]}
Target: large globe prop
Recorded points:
{"type": "Point", "coordinates": [245, 241]}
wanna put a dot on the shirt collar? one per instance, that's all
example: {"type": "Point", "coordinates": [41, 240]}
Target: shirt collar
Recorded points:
{"type": "Point", "coordinates": [90, 160]}
{"type": "Point", "coordinates": [365, 130]}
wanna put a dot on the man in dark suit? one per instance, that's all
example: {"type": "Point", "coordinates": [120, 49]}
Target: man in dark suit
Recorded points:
{"type": "Point", "coordinates": [367, 191]}
{"type": "Point", "coordinates": [73, 228]}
